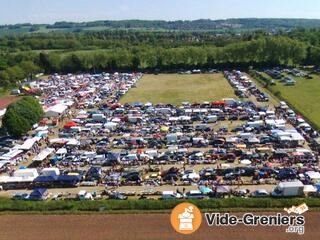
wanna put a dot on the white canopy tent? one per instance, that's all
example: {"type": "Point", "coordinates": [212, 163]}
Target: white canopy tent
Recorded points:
{"type": "Point", "coordinates": [56, 110]}
{"type": "Point", "coordinates": [28, 144]}
{"type": "Point", "coordinates": [309, 189]}
{"type": "Point", "coordinates": [10, 155]}
{"type": "Point", "coordinates": [43, 154]}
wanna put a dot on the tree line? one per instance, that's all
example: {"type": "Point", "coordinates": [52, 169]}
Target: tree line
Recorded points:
{"type": "Point", "coordinates": [200, 24]}
{"type": "Point", "coordinates": [266, 51]}
{"type": "Point", "coordinates": [117, 39]}
{"type": "Point", "coordinates": [147, 51]}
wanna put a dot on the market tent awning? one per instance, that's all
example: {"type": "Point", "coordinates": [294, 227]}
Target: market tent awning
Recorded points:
{"type": "Point", "coordinates": [70, 125]}
{"type": "Point", "coordinates": [28, 144]}
{"type": "Point", "coordinates": [73, 142]}
{"type": "Point", "coordinates": [222, 189]}
{"type": "Point", "coordinates": [313, 175]}
{"type": "Point", "coordinates": [45, 179]}
{"type": "Point", "coordinates": [61, 151]}
{"type": "Point", "coordinates": [309, 188]}
{"type": "Point", "coordinates": [10, 155]}
{"type": "Point", "coordinates": [42, 133]}
{"type": "Point", "coordinates": [241, 146]}
{"type": "Point", "coordinates": [205, 189]}
{"type": "Point", "coordinates": [43, 154]}
{"type": "Point", "coordinates": [56, 110]}
{"type": "Point", "coordinates": [59, 141]}
{"type": "Point", "coordinates": [3, 162]}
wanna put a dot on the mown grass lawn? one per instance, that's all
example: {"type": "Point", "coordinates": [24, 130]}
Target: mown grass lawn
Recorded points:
{"type": "Point", "coordinates": [177, 88]}
{"type": "Point", "coordinates": [304, 97]}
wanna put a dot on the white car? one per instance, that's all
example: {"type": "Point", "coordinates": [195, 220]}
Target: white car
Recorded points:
{"type": "Point", "coordinates": [260, 193]}
{"type": "Point", "coordinates": [194, 194]}
{"type": "Point", "coordinates": [191, 176]}
{"type": "Point", "coordinates": [167, 195]}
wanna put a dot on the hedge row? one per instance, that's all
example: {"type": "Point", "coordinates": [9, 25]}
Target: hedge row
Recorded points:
{"type": "Point", "coordinates": [118, 205]}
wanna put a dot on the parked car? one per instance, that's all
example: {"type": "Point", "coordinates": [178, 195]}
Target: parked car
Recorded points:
{"type": "Point", "coordinates": [19, 196]}
{"type": "Point", "coordinates": [194, 194]}
{"type": "Point", "coordinates": [260, 193]}
{"type": "Point", "coordinates": [168, 195]}
{"type": "Point", "coordinates": [117, 196]}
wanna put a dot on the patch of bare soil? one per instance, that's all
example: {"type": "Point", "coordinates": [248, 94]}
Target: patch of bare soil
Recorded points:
{"type": "Point", "coordinates": [135, 226]}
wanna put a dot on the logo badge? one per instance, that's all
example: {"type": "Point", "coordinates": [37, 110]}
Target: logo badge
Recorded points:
{"type": "Point", "coordinates": [302, 208]}
{"type": "Point", "coordinates": [186, 218]}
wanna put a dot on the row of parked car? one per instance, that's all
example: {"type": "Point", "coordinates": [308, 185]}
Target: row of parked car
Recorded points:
{"type": "Point", "coordinates": [244, 86]}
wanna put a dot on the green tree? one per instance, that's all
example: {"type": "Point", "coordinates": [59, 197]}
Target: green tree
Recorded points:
{"type": "Point", "coordinates": [29, 68]}
{"type": "Point", "coordinates": [4, 79]}
{"type": "Point", "coordinates": [14, 122]}
{"type": "Point", "coordinates": [21, 115]}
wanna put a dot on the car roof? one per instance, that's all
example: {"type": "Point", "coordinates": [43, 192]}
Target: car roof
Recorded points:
{"type": "Point", "coordinates": [195, 192]}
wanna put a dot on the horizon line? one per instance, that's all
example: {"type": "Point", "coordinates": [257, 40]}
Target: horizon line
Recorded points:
{"type": "Point", "coordinates": [163, 20]}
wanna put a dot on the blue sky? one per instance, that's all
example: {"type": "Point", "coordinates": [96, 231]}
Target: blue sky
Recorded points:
{"type": "Point", "coordinates": [49, 11]}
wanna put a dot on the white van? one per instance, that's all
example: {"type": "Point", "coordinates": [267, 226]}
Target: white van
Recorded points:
{"type": "Point", "coordinates": [167, 195]}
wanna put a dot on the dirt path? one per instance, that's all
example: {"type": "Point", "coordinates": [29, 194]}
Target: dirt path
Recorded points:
{"type": "Point", "coordinates": [135, 226]}
{"type": "Point", "coordinates": [5, 101]}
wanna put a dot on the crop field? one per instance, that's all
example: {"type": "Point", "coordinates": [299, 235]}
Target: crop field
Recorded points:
{"type": "Point", "coordinates": [175, 88]}
{"type": "Point", "coordinates": [304, 97]}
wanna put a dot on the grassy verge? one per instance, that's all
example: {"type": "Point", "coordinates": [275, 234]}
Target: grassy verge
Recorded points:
{"type": "Point", "coordinates": [303, 98]}
{"type": "Point", "coordinates": [136, 206]}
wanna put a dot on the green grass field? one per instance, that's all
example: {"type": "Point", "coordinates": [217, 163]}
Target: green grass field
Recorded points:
{"type": "Point", "coordinates": [175, 88]}
{"type": "Point", "coordinates": [304, 97]}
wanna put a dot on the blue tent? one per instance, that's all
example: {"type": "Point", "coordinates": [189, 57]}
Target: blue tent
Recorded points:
{"type": "Point", "coordinates": [205, 190]}
{"type": "Point", "coordinates": [45, 179]}
{"type": "Point", "coordinates": [68, 178]}
{"type": "Point", "coordinates": [38, 194]}
{"type": "Point", "coordinates": [70, 181]}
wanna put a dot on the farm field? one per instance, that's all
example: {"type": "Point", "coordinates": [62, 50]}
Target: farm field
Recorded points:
{"type": "Point", "coordinates": [138, 226]}
{"type": "Point", "coordinates": [304, 96]}
{"type": "Point", "coordinates": [174, 88]}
